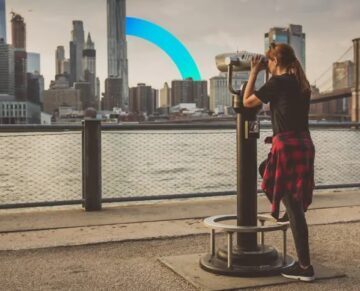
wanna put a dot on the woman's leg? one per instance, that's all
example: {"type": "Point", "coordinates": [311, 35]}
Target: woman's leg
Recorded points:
{"type": "Point", "coordinates": [299, 229]}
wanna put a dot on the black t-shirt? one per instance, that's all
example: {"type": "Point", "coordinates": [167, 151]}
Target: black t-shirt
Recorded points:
{"type": "Point", "coordinates": [289, 106]}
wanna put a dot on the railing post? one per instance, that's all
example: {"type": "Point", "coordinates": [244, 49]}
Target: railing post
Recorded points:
{"type": "Point", "coordinates": [83, 163]}
{"type": "Point", "coordinates": [355, 112]}
{"type": "Point", "coordinates": [92, 164]}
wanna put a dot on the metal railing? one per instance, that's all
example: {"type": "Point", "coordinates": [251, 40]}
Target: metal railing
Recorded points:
{"type": "Point", "coordinates": [42, 165]}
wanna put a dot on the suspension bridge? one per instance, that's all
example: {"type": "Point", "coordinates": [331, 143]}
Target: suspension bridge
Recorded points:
{"type": "Point", "coordinates": [340, 100]}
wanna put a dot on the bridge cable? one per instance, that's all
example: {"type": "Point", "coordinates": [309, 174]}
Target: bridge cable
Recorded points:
{"type": "Point", "coordinates": [330, 81]}
{"type": "Point", "coordinates": [330, 67]}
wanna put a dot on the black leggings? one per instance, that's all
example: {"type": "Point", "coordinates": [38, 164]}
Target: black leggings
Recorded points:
{"type": "Point", "coordinates": [298, 224]}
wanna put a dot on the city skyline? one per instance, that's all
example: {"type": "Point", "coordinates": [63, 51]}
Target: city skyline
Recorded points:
{"type": "Point", "coordinates": [215, 29]}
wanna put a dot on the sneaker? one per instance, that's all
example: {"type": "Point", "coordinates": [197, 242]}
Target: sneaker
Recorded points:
{"type": "Point", "coordinates": [298, 273]}
{"type": "Point", "coordinates": [284, 219]}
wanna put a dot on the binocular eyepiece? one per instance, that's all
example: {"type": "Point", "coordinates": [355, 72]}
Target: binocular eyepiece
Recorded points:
{"type": "Point", "coordinates": [240, 61]}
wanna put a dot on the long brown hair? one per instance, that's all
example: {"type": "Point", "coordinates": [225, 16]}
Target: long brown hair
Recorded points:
{"type": "Point", "coordinates": [286, 58]}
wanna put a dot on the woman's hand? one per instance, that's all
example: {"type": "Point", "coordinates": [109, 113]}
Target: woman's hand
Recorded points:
{"type": "Point", "coordinates": [257, 65]}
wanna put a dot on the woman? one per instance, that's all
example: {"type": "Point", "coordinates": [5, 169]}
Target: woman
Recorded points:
{"type": "Point", "coordinates": [288, 172]}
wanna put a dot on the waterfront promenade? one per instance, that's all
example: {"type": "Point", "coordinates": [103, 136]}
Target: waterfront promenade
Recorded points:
{"type": "Point", "coordinates": [119, 248]}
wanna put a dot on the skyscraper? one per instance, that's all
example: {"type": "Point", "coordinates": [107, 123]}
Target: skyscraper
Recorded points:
{"type": "Point", "coordinates": [181, 91]}
{"type": "Point", "coordinates": [98, 92]}
{"type": "Point", "coordinates": [292, 35]}
{"type": "Point", "coordinates": [62, 65]}
{"type": "Point", "coordinates": [35, 87]}
{"type": "Point", "coordinates": [165, 96]}
{"type": "Point", "coordinates": [76, 51]}
{"type": "Point", "coordinates": [89, 66]}
{"type": "Point", "coordinates": [117, 46]}
{"type": "Point", "coordinates": [86, 96]}
{"type": "Point", "coordinates": [35, 81]}
{"type": "Point", "coordinates": [33, 63]}
{"type": "Point", "coordinates": [65, 67]}
{"type": "Point", "coordinates": [7, 69]}
{"type": "Point", "coordinates": [59, 59]}
{"type": "Point", "coordinates": [142, 99]}
{"type": "Point", "coordinates": [200, 94]}
{"type": "Point", "coordinates": [112, 97]}
{"type": "Point", "coordinates": [2, 21]}
{"type": "Point", "coordinates": [189, 91]}
{"type": "Point", "coordinates": [18, 29]}
{"type": "Point", "coordinates": [220, 96]}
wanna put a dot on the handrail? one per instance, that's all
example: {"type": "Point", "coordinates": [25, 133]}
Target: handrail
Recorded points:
{"type": "Point", "coordinates": [158, 126]}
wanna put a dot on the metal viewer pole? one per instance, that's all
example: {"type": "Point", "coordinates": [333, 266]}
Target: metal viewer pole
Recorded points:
{"type": "Point", "coordinates": [246, 184]}
{"type": "Point", "coordinates": [92, 164]}
{"type": "Point", "coordinates": [246, 164]}
{"type": "Point", "coordinates": [246, 257]}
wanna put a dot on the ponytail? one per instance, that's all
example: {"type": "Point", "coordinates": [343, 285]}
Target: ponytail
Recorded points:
{"type": "Point", "coordinates": [297, 70]}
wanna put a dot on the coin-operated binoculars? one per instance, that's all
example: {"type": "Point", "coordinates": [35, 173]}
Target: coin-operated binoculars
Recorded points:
{"type": "Point", "coordinates": [248, 256]}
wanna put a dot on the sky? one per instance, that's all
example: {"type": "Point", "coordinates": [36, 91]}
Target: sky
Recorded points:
{"type": "Point", "coordinates": [205, 27]}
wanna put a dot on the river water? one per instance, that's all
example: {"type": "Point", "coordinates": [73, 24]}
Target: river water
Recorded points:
{"type": "Point", "coordinates": [37, 167]}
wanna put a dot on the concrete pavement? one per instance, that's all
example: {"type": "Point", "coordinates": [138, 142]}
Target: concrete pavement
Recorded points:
{"type": "Point", "coordinates": [65, 248]}
{"type": "Point", "coordinates": [43, 228]}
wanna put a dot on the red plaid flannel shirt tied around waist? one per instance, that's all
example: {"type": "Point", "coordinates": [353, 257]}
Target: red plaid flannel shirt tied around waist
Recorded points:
{"type": "Point", "coordinates": [289, 169]}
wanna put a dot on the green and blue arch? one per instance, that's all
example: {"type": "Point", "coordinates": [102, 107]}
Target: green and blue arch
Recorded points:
{"type": "Point", "coordinates": [167, 42]}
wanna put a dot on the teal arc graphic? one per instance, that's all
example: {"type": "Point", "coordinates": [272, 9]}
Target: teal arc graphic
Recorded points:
{"type": "Point", "coordinates": [167, 42]}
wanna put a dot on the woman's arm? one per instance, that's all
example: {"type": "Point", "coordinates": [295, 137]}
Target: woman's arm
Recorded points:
{"type": "Point", "coordinates": [249, 99]}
